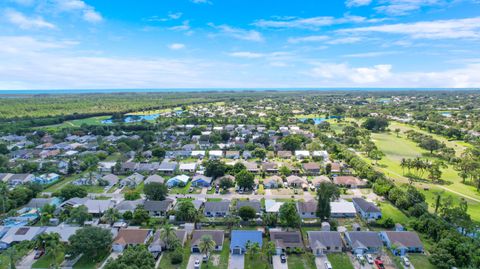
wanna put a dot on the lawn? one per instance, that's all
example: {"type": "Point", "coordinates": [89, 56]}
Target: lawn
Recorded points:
{"type": "Point", "coordinates": [420, 261]}
{"type": "Point", "coordinates": [390, 211]}
{"type": "Point", "coordinates": [303, 261]}
{"type": "Point", "coordinates": [46, 260]}
{"type": "Point", "coordinates": [258, 260]}
{"type": "Point", "coordinates": [340, 261]}
{"type": "Point", "coordinates": [21, 249]}
{"type": "Point", "coordinates": [224, 255]}
{"type": "Point", "coordinates": [166, 263]}
{"type": "Point", "coordinates": [185, 189]}
{"type": "Point", "coordinates": [87, 262]}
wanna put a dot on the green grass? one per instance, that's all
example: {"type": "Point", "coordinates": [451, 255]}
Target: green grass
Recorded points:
{"type": "Point", "coordinates": [166, 263]}
{"type": "Point", "coordinates": [420, 261]}
{"type": "Point", "coordinates": [22, 249]}
{"type": "Point", "coordinates": [77, 123]}
{"type": "Point", "coordinates": [224, 255]}
{"type": "Point", "coordinates": [184, 190]}
{"type": "Point", "coordinates": [390, 211]}
{"type": "Point", "coordinates": [87, 262]}
{"type": "Point", "coordinates": [340, 261]}
{"type": "Point", "coordinates": [46, 260]}
{"type": "Point", "coordinates": [214, 199]}
{"type": "Point", "coordinates": [259, 260]}
{"type": "Point", "coordinates": [94, 189]}
{"type": "Point", "coordinates": [302, 261]}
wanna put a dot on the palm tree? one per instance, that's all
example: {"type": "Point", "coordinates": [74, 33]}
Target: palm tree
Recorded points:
{"type": "Point", "coordinates": [168, 235]}
{"type": "Point", "coordinates": [50, 243]}
{"type": "Point", "coordinates": [206, 245]}
{"type": "Point", "coordinates": [111, 215]}
{"type": "Point", "coordinates": [252, 249]}
{"type": "Point", "coordinates": [271, 250]}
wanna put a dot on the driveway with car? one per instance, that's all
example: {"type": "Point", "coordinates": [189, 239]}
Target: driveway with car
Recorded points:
{"type": "Point", "coordinates": [27, 261]}
{"type": "Point", "coordinates": [236, 262]}
{"type": "Point", "coordinates": [320, 262]}
{"type": "Point", "coordinates": [277, 263]}
{"type": "Point", "coordinates": [192, 259]}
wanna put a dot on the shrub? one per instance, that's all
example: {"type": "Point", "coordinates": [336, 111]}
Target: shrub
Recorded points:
{"type": "Point", "coordinates": [177, 257]}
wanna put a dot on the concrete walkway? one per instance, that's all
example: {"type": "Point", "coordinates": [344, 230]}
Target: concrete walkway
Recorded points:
{"type": "Point", "coordinates": [277, 263]}
{"type": "Point", "coordinates": [236, 262]}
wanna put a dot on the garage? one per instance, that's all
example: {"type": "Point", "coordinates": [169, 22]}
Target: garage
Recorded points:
{"type": "Point", "coordinates": [237, 250]}
{"type": "Point", "coordinates": [195, 250]}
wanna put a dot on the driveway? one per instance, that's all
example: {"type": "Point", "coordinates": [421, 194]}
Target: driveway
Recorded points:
{"type": "Point", "coordinates": [277, 263]}
{"type": "Point", "coordinates": [236, 261]}
{"type": "Point", "coordinates": [191, 260]}
{"type": "Point", "coordinates": [356, 263]}
{"type": "Point", "coordinates": [27, 261]}
{"type": "Point", "coordinates": [320, 262]}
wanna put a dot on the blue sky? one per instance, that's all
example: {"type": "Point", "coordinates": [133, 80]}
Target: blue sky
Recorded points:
{"type": "Point", "coordinates": [95, 44]}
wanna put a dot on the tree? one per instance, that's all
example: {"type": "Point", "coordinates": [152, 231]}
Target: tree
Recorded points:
{"type": "Point", "coordinates": [247, 212]}
{"type": "Point", "coordinates": [292, 142]}
{"type": "Point", "coordinates": [140, 216]}
{"type": "Point", "coordinates": [111, 216]}
{"type": "Point", "coordinates": [168, 235]}
{"type": "Point", "coordinates": [226, 183]}
{"type": "Point", "coordinates": [252, 249]}
{"type": "Point", "coordinates": [91, 241]}
{"type": "Point", "coordinates": [245, 179]}
{"type": "Point", "coordinates": [158, 152]}
{"type": "Point", "coordinates": [376, 155]}
{"type": "Point", "coordinates": [430, 144]}
{"type": "Point", "coordinates": [80, 214]}
{"type": "Point", "coordinates": [155, 191]}
{"type": "Point", "coordinates": [206, 244]}
{"type": "Point", "coordinates": [71, 191]}
{"type": "Point", "coordinates": [284, 171]}
{"type": "Point", "coordinates": [375, 124]}
{"type": "Point", "coordinates": [132, 195]}
{"type": "Point", "coordinates": [288, 215]}
{"type": "Point", "coordinates": [271, 250]}
{"type": "Point", "coordinates": [326, 193]}
{"type": "Point", "coordinates": [270, 219]}
{"type": "Point", "coordinates": [397, 131]}
{"type": "Point", "coordinates": [260, 153]}
{"type": "Point", "coordinates": [215, 168]}
{"type": "Point", "coordinates": [133, 257]}
{"type": "Point", "coordinates": [238, 167]}
{"type": "Point", "coordinates": [186, 211]}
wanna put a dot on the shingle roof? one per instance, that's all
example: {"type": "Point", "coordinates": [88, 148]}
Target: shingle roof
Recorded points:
{"type": "Point", "coordinates": [217, 236]}
{"type": "Point", "coordinates": [131, 236]}
{"type": "Point", "coordinates": [241, 237]}
{"type": "Point", "coordinates": [310, 206]}
{"type": "Point", "coordinates": [324, 238]}
{"type": "Point", "coordinates": [286, 239]}
{"type": "Point", "coordinates": [254, 204]}
{"type": "Point", "coordinates": [159, 206]}
{"type": "Point", "coordinates": [221, 206]}
{"type": "Point", "coordinates": [364, 239]}
{"type": "Point", "coordinates": [404, 238]}
{"type": "Point", "coordinates": [365, 205]}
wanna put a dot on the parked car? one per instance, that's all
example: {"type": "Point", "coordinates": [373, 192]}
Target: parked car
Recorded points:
{"type": "Point", "coordinates": [283, 258]}
{"type": "Point", "coordinates": [406, 261]}
{"type": "Point", "coordinates": [328, 265]}
{"type": "Point", "coordinates": [38, 254]}
{"type": "Point", "coordinates": [197, 264]}
{"type": "Point", "coordinates": [379, 264]}
{"type": "Point", "coordinates": [360, 258]}
{"type": "Point", "coordinates": [369, 258]}
{"type": "Point", "coordinates": [205, 258]}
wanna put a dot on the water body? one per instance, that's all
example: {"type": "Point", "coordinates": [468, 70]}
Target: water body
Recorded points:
{"type": "Point", "coordinates": [139, 117]}
{"type": "Point", "coordinates": [320, 120]}
{"type": "Point", "coordinates": [4, 93]}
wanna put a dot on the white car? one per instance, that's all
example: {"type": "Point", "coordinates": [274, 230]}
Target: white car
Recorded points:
{"type": "Point", "coordinates": [406, 261]}
{"type": "Point", "coordinates": [369, 258]}
{"type": "Point", "coordinates": [360, 258]}
{"type": "Point", "coordinates": [197, 264]}
{"type": "Point", "coordinates": [328, 265]}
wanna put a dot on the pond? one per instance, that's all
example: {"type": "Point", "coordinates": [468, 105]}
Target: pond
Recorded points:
{"type": "Point", "coordinates": [320, 120]}
{"type": "Point", "coordinates": [138, 118]}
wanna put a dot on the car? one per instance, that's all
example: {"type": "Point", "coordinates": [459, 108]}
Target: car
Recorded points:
{"type": "Point", "coordinates": [406, 261]}
{"type": "Point", "coordinates": [328, 265]}
{"type": "Point", "coordinates": [197, 264]}
{"type": "Point", "coordinates": [379, 263]}
{"type": "Point", "coordinates": [38, 254]}
{"type": "Point", "coordinates": [205, 258]}
{"type": "Point", "coordinates": [369, 258]}
{"type": "Point", "coordinates": [360, 258]}
{"type": "Point", "coordinates": [283, 258]}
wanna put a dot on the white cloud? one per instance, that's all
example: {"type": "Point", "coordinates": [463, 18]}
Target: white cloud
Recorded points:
{"type": "Point", "coordinates": [440, 29]}
{"type": "Point", "coordinates": [369, 54]}
{"type": "Point", "coordinates": [24, 22]}
{"type": "Point", "coordinates": [312, 38]}
{"type": "Point", "coordinates": [360, 75]}
{"type": "Point", "coordinates": [92, 16]}
{"type": "Point", "coordinates": [311, 23]}
{"type": "Point", "coordinates": [344, 40]}
{"type": "Point", "coordinates": [185, 26]}
{"type": "Point", "coordinates": [357, 3]}
{"type": "Point", "coordinates": [87, 12]}
{"type": "Point", "coordinates": [403, 7]}
{"type": "Point", "coordinates": [201, 2]}
{"type": "Point", "coordinates": [247, 54]}
{"type": "Point", "coordinates": [238, 33]}
{"type": "Point", "coordinates": [176, 46]}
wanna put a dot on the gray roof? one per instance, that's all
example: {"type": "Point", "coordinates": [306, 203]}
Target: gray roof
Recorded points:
{"type": "Point", "coordinates": [217, 236]}
{"type": "Point", "coordinates": [221, 206]}
{"type": "Point", "coordinates": [38, 202]}
{"type": "Point", "coordinates": [286, 239]}
{"type": "Point", "coordinates": [364, 239]}
{"type": "Point", "coordinates": [158, 206]}
{"type": "Point", "coordinates": [404, 239]}
{"type": "Point", "coordinates": [324, 238]}
{"type": "Point", "coordinates": [128, 205]}
{"type": "Point", "coordinates": [254, 204]}
{"type": "Point", "coordinates": [154, 178]}
{"type": "Point", "coordinates": [167, 166]}
{"type": "Point", "coordinates": [309, 206]}
{"type": "Point", "coordinates": [365, 205]}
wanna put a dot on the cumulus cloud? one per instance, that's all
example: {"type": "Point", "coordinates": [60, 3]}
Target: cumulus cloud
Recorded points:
{"type": "Point", "coordinates": [24, 22]}
{"type": "Point", "coordinates": [357, 3]}
{"type": "Point", "coordinates": [312, 22]}
{"type": "Point", "coordinates": [404, 7]}
{"type": "Point", "coordinates": [238, 33]}
{"type": "Point", "coordinates": [360, 75]}
{"type": "Point", "coordinates": [312, 38]}
{"type": "Point", "coordinates": [176, 46]}
{"type": "Point", "coordinates": [439, 29]}
{"type": "Point", "coordinates": [87, 12]}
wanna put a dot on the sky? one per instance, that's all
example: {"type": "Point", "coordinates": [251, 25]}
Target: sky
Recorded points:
{"type": "Point", "coordinates": [127, 44]}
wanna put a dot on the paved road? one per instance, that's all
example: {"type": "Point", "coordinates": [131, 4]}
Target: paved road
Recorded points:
{"type": "Point", "coordinates": [277, 263]}
{"type": "Point", "coordinates": [236, 262]}
{"type": "Point", "coordinates": [191, 260]}
{"type": "Point", "coordinates": [27, 261]}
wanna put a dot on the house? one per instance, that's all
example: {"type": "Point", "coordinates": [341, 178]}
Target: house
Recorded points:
{"type": "Point", "coordinates": [286, 241]}
{"type": "Point", "coordinates": [272, 182]}
{"type": "Point", "coordinates": [47, 178]}
{"type": "Point", "coordinates": [199, 154]}
{"type": "Point", "coordinates": [17, 179]}
{"type": "Point", "coordinates": [106, 167]}
{"type": "Point", "coordinates": [342, 209]}
{"type": "Point", "coordinates": [188, 167]}
{"type": "Point", "coordinates": [216, 209]}
{"type": "Point", "coordinates": [98, 207]}
{"type": "Point", "coordinates": [63, 230]}
{"type": "Point", "coordinates": [158, 245]}
{"type": "Point", "coordinates": [284, 154]}
{"type": "Point", "coordinates": [270, 167]}
{"type": "Point", "coordinates": [272, 206]}
{"type": "Point", "coordinates": [307, 209]}
{"type": "Point", "coordinates": [167, 167]}
{"type": "Point", "coordinates": [215, 154]}
{"type": "Point", "coordinates": [39, 203]}
{"type": "Point", "coordinates": [232, 154]}
{"type": "Point", "coordinates": [401, 243]}
{"type": "Point", "coordinates": [129, 167]}
{"type": "Point", "coordinates": [316, 181]}
{"type": "Point", "coordinates": [148, 167]}
{"type": "Point", "coordinates": [251, 167]}
{"type": "Point", "coordinates": [132, 181]}
{"type": "Point", "coordinates": [154, 179]}
{"type": "Point", "coordinates": [246, 154]}
{"type": "Point", "coordinates": [127, 205]}
{"type": "Point", "coordinates": [130, 237]}
{"type": "Point", "coordinates": [367, 210]}
{"type": "Point", "coordinates": [323, 242]}
{"type": "Point", "coordinates": [241, 238]}
{"type": "Point", "coordinates": [19, 234]}
{"type": "Point", "coordinates": [363, 242]}
{"type": "Point", "coordinates": [158, 208]}
{"type": "Point", "coordinates": [349, 181]}
{"type": "Point", "coordinates": [180, 180]}
{"type": "Point", "coordinates": [111, 179]}
{"type": "Point", "coordinates": [253, 204]}
{"type": "Point", "coordinates": [322, 154]}
{"type": "Point", "coordinates": [201, 181]}
{"type": "Point", "coordinates": [311, 168]}
{"type": "Point", "coordinates": [302, 154]}
{"type": "Point", "coordinates": [336, 168]}
{"type": "Point", "coordinates": [297, 182]}
{"type": "Point", "coordinates": [216, 235]}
